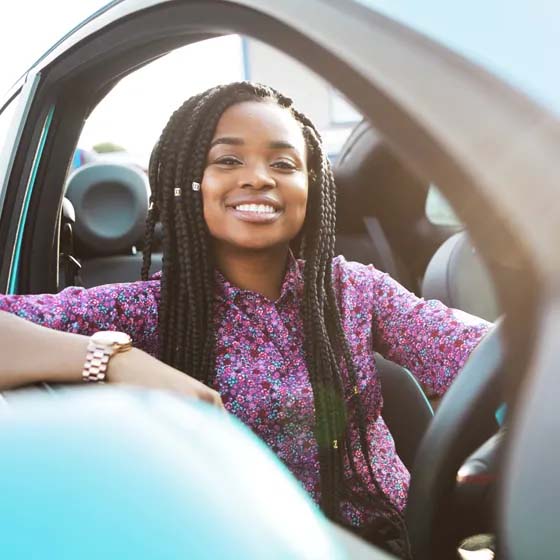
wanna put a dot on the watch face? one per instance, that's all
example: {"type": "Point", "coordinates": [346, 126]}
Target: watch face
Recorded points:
{"type": "Point", "coordinates": [110, 338]}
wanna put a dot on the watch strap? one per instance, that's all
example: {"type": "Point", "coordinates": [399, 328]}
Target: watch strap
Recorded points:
{"type": "Point", "coordinates": [97, 361]}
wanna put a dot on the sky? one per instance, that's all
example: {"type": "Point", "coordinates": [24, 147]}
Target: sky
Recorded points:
{"type": "Point", "coordinates": [29, 27]}
{"type": "Point", "coordinates": [518, 40]}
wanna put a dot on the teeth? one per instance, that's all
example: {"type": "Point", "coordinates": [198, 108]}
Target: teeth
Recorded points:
{"type": "Point", "coordinates": [258, 208]}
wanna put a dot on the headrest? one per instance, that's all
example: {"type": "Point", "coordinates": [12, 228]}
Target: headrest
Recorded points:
{"type": "Point", "coordinates": [458, 277]}
{"type": "Point", "coordinates": [365, 169]}
{"type": "Point", "coordinates": [111, 204]}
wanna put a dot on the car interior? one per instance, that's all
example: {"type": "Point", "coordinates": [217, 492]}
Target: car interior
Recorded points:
{"type": "Point", "coordinates": [381, 220]}
{"type": "Point", "coordinates": [87, 229]}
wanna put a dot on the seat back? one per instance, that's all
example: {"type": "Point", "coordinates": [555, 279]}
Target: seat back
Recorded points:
{"type": "Point", "coordinates": [458, 277]}
{"type": "Point", "coordinates": [354, 172]}
{"type": "Point", "coordinates": [111, 205]}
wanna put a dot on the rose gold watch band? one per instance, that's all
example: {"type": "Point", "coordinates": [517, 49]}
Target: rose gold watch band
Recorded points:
{"type": "Point", "coordinates": [97, 360]}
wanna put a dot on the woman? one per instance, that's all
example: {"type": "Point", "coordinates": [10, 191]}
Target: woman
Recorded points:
{"type": "Point", "coordinates": [239, 178]}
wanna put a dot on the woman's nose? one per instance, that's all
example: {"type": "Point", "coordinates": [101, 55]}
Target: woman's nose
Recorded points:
{"type": "Point", "coordinates": [257, 177]}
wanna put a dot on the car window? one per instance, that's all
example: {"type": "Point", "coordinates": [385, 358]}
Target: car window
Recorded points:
{"type": "Point", "coordinates": [118, 136]}
{"type": "Point", "coordinates": [439, 211]}
{"type": "Point", "coordinates": [127, 122]}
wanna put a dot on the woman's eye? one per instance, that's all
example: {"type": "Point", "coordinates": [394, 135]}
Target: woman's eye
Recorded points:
{"type": "Point", "coordinates": [228, 160]}
{"type": "Point", "coordinates": [283, 164]}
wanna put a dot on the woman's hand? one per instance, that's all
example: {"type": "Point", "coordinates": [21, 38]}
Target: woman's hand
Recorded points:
{"type": "Point", "coordinates": [135, 367]}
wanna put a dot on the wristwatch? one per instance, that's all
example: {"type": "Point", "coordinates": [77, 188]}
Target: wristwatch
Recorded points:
{"type": "Point", "coordinates": [102, 346]}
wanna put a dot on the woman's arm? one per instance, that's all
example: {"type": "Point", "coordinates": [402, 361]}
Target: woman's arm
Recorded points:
{"type": "Point", "coordinates": [428, 338]}
{"type": "Point", "coordinates": [131, 308]}
{"type": "Point", "coordinates": [32, 353]}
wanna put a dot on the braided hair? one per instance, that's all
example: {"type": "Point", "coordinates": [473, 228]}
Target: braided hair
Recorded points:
{"type": "Point", "coordinates": [186, 326]}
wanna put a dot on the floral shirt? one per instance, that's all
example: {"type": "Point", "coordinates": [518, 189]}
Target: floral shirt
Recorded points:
{"type": "Point", "coordinates": [261, 372]}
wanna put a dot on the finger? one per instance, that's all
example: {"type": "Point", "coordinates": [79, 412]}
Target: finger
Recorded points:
{"type": "Point", "coordinates": [218, 400]}
{"type": "Point", "coordinates": [208, 395]}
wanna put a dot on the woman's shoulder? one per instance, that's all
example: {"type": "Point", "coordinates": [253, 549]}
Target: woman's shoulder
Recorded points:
{"type": "Point", "coordinates": [123, 295]}
{"type": "Point", "coordinates": [354, 272]}
{"type": "Point", "coordinates": [125, 290]}
{"type": "Point", "coordinates": [350, 271]}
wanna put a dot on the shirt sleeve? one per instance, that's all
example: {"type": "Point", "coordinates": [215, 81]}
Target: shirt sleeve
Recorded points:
{"type": "Point", "coordinates": [131, 308]}
{"type": "Point", "coordinates": [426, 337]}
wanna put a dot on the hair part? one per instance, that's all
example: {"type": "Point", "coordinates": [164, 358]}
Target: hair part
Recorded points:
{"type": "Point", "coordinates": [186, 326]}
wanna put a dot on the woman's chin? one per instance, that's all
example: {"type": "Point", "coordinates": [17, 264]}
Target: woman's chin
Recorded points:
{"type": "Point", "coordinates": [257, 245]}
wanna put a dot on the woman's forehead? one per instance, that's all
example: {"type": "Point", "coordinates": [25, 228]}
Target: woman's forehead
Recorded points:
{"type": "Point", "coordinates": [260, 120]}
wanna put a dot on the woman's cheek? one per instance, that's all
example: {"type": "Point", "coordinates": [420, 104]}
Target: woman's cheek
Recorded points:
{"type": "Point", "coordinates": [209, 202]}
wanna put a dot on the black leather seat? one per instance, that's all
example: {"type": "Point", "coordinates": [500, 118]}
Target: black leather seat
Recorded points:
{"type": "Point", "coordinates": [364, 163]}
{"type": "Point", "coordinates": [111, 205]}
{"type": "Point", "coordinates": [458, 277]}
{"type": "Point", "coordinates": [366, 168]}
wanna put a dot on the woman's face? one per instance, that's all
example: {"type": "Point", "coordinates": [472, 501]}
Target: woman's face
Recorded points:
{"type": "Point", "coordinates": [254, 188]}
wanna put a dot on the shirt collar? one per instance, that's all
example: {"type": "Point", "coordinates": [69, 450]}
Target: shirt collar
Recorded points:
{"type": "Point", "coordinates": [291, 285]}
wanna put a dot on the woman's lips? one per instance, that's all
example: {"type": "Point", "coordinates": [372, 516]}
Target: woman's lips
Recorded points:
{"type": "Point", "coordinates": [255, 217]}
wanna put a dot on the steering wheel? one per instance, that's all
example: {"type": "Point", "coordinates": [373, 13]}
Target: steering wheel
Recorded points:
{"type": "Point", "coordinates": [458, 428]}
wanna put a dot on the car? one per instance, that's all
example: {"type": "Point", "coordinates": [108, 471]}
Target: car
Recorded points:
{"type": "Point", "coordinates": [492, 151]}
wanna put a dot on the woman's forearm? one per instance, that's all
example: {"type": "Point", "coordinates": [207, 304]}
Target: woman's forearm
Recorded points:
{"type": "Point", "coordinates": [31, 353]}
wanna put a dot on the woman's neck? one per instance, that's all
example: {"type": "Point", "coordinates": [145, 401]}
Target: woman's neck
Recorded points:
{"type": "Point", "coordinates": [258, 271]}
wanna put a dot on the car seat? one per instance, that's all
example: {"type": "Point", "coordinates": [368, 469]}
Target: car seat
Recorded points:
{"type": "Point", "coordinates": [364, 167]}
{"type": "Point", "coordinates": [111, 205]}
{"type": "Point", "coordinates": [458, 277]}
{"type": "Point", "coordinates": [363, 162]}
{"type": "Point", "coordinates": [401, 392]}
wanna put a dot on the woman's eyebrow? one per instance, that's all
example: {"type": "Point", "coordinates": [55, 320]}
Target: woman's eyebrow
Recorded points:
{"type": "Point", "coordinates": [236, 141]}
{"type": "Point", "coordinates": [281, 145]}
{"type": "Point", "coordinates": [230, 140]}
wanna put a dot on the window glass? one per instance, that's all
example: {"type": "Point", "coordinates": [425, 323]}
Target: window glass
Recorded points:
{"type": "Point", "coordinates": [438, 209]}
